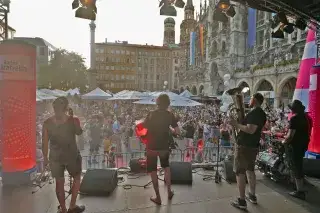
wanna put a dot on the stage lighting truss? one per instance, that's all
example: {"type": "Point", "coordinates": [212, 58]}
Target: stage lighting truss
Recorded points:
{"type": "Point", "coordinates": [167, 7]}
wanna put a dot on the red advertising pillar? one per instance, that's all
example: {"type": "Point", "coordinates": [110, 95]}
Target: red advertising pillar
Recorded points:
{"type": "Point", "coordinates": [17, 112]}
{"type": "Point", "coordinates": [314, 112]}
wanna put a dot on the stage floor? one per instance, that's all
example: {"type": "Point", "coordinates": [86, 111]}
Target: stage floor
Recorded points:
{"type": "Point", "coordinates": [201, 197]}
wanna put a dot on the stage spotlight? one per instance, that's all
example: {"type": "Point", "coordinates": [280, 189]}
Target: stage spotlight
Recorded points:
{"type": "Point", "coordinates": [179, 3]}
{"type": "Point", "coordinates": [218, 15]}
{"type": "Point", "coordinates": [85, 13]}
{"type": "Point", "coordinates": [301, 24]}
{"type": "Point", "coordinates": [283, 18]}
{"type": "Point", "coordinates": [223, 4]}
{"type": "Point", "coordinates": [231, 12]}
{"type": "Point", "coordinates": [87, 10]}
{"type": "Point", "coordinates": [75, 4]}
{"type": "Point", "coordinates": [168, 10]}
{"type": "Point", "coordinates": [289, 28]}
{"type": "Point", "coordinates": [277, 34]}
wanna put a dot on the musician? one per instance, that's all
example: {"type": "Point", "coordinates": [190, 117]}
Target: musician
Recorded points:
{"type": "Point", "coordinates": [297, 141]}
{"type": "Point", "coordinates": [61, 130]}
{"type": "Point", "coordinates": [159, 124]}
{"type": "Point", "coordinates": [246, 150]}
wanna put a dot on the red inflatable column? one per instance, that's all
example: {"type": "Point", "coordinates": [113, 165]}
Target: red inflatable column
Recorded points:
{"type": "Point", "coordinates": [314, 110]}
{"type": "Point", "coordinates": [18, 112]}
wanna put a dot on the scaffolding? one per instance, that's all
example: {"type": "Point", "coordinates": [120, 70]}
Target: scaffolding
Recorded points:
{"type": "Point", "coordinates": [4, 10]}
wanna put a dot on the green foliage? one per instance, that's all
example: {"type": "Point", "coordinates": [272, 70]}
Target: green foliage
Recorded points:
{"type": "Point", "coordinates": [65, 71]}
{"type": "Point", "coordinates": [285, 63]}
{"type": "Point", "coordinates": [240, 70]}
{"type": "Point", "coordinates": [262, 66]}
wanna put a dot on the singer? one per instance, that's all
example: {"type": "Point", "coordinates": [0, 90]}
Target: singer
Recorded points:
{"type": "Point", "coordinates": [246, 150]}
{"type": "Point", "coordinates": [159, 124]}
{"type": "Point", "coordinates": [61, 130]}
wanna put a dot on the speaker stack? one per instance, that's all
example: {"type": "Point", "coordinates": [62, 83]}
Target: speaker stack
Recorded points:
{"type": "Point", "coordinates": [181, 173]}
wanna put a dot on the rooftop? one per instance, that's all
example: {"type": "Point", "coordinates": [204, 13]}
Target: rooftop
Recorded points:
{"type": "Point", "coordinates": [146, 46]}
{"type": "Point", "coordinates": [37, 41]}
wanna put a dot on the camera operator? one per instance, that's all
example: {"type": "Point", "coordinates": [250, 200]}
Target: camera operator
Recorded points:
{"type": "Point", "coordinates": [297, 141]}
{"type": "Point", "coordinates": [158, 123]}
{"type": "Point", "coordinates": [61, 130]}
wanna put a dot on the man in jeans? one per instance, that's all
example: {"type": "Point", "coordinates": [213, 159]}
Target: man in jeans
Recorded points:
{"type": "Point", "coordinates": [61, 130]}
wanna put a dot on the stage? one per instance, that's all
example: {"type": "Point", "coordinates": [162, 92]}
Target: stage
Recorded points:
{"type": "Point", "coordinates": [202, 197]}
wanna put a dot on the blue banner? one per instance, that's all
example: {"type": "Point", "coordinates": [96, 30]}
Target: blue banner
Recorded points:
{"type": "Point", "coordinates": [192, 47]}
{"type": "Point", "coordinates": [252, 27]}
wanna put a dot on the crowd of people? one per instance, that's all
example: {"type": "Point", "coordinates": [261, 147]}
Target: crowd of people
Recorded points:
{"type": "Point", "coordinates": [110, 125]}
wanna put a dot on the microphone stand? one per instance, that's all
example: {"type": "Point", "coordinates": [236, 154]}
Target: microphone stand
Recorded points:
{"type": "Point", "coordinates": [218, 177]}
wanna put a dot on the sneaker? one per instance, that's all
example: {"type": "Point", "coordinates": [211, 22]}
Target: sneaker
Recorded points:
{"type": "Point", "coordinates": [252, 198]}
{"type": "Point", "coordinates": [298, 194]}
{"type": "Point", "coordinates": [240, 204]}
{"type": "Point", "coordinates": [77, 209]}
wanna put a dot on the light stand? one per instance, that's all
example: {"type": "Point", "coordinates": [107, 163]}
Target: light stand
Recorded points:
{"type": "Point", "coordinates": [69, 192]}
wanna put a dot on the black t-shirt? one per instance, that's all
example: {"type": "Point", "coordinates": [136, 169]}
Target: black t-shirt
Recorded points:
{"type": "Point", "coordinates": [256, 117]}
{"type": "Point", "coordinates": [158, 123]}
{"type": "Point", "coordinates": [302, 125]}
{"type": "Point", "coordinates": [189, 130]}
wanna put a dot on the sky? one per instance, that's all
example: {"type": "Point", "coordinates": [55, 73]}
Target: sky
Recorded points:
{"type": "Point", "coordinates": [135, 21]}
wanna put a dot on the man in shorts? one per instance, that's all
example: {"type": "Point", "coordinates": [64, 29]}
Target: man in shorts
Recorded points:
{"type": "Point", "coordinates": [61, 130]}
{"type": "Point", "coordinates": [159, 124]}
{"type": "Point", "coordinates": [246, 150]}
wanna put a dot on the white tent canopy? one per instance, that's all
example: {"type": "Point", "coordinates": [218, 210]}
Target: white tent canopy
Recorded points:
{"type": "Point", "coordinates": [97, 94]}
{"type": "Point", "coordinates": [74, 91]}
{"type": "Point", "coordinates": [175, 100]}
{"type": "Point", "coordinates": [129, 95]}
{"type": "Point", "coordinates": [44, 96]}
{"type": "Point", "coordinates": [186, 94]}
{"type": "Point", "coordinates": [56, 93]}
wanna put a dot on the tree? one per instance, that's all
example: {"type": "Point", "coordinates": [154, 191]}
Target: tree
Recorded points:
{"type": "Point", "coordinates": [66, 70]}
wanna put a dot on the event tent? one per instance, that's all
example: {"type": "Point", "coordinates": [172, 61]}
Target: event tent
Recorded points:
{"type": "Point", "coordinates": [186, 94]}
{"type": "Point", "coordinates": [129, 95]}
{"type": "Point", "coordinates": [56, 93]}
{"type": "Point", "coordinates": [44, 96]}
{"type": "Point", "coordinates": [96, 94]}
{"type": "Point", "coordinates": [175, 99]}
{"type": "Point", "coordinates": [74, 91]}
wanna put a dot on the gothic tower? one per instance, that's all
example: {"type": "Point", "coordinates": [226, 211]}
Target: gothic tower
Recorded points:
{"type": "Point", "coordinates": [169, 31]}
{"type": "Point", "coordinates": [188, 24]}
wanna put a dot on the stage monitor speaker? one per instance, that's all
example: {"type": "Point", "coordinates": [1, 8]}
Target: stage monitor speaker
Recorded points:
{"type": "Point", "coordinates": [311, 167]}
{"type": "Point", "coordinates": [181, 173]}
{"type": "Point", "coordinates": [138, 165]}
{"type": "Point", "coordinates": [99, 182]}
{"type": "Point", "coordinates": [227, 169]}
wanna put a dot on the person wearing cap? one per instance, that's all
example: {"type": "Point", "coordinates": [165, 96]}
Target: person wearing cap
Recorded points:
{"type": "Point", "coordinates": [61, 130]}
{"type": "Point", "coordinates": [297, 141]}
{"type": "Point", "coordinates": [159, 123]}
{"type": "Point", "coordinates": [246, 150]}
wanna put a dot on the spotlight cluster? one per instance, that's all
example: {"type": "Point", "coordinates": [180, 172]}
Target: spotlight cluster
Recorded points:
{"type": "Point", "coordinates": [167, 7]}
{"type": "Point", "coordinates": [223, 10]}
{"type": "Point", "coordinates": [281, 25]}
{"type": "Point", "coordinates": [86, 9]}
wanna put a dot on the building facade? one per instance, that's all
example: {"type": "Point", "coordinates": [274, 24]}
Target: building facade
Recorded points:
{"type": "Point", "coordinates": [268, 65]}
{"type": "Point", "coordinates": [11, 31]}
{"type": "Point", "coordinates": [123, 66]}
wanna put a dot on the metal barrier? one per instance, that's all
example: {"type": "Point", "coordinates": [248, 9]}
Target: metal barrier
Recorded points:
{"type": "Point", "coordinates": [206, 154]}
{"type": "Point", "coordinates": [120, 159]}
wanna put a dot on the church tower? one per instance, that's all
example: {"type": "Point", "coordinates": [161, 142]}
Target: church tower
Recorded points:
{"type": "Point", "coordinates": [169, 31]}
{"type": "Point", "coordinates": [188, 24]}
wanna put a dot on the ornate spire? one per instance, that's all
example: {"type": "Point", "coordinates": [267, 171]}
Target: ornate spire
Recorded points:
{"type": "Point", "coordinates": [205, 6]}
{"type": "Point", "coordinates": [189, 5]}
{"type": "Point", "coordinates": [200, 9]}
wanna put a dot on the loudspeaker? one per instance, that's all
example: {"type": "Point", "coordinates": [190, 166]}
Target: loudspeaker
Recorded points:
{"type": "Point", "coordinates": [311, 167]}
{"type": "Point", "coordinates": [99, 182]}
{"type": "Point", "coordinates": [138, 165]}
{"type": "Point", "coordinates": [181, 173]}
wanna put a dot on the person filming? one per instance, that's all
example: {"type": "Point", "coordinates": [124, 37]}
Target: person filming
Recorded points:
{"type": "Point", "coordinates": [159, 124]}
{"type": "Point", "coordinates": [61, 130]}
{"type": "Point", "coordinates": [246, 150]}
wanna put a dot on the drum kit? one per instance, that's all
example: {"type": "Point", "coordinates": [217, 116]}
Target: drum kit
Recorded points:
{"type": "Point", "coordinates": [273, 163]}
